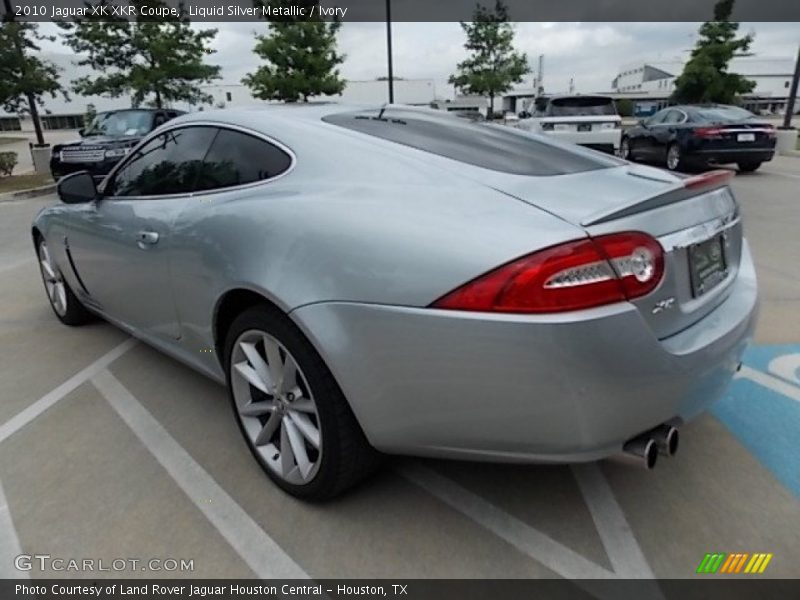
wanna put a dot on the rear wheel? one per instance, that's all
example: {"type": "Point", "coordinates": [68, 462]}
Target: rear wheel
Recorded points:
{"type": "Point", "coordinates": [675, 161]}
{"type": "Point", "coordinates": [64, 303]}
{"type": "Point", "coordinates": [749, 166]}
{"type": "Point", "coordinates": [294, 417]}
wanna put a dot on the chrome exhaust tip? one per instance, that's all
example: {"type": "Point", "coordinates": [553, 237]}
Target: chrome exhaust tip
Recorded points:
{"type": "Point", "coordinates": [641, 451]}
{"type": "Point", "coordinates": [666, 438]}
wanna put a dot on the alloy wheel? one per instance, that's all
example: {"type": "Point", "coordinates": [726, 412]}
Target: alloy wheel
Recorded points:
{"type": "Point", "coordinates": [276, 407]}
{"type": "Point", "coordinates": [625, 149]}
{"type": "Point", "coordinates": [53, 281]}
{"type": "Point", "coordinates": [673, 157]}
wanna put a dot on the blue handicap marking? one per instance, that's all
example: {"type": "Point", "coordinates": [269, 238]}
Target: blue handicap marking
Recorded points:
{"type": "Point", "coordinates": [766, 419]}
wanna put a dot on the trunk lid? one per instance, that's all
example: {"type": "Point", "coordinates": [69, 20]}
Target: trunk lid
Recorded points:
{"type": "Point", "coordinates": [692, 223]}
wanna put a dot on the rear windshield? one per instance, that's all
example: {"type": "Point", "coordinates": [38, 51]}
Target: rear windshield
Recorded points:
{"type": "Point", "coordinates": [723, 114]}
{"type": "Point", "coordinates": [492, 147]}
{"type": "Point", "coordinates": [581, 106]}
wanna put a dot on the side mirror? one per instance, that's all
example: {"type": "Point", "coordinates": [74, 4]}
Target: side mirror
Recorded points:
{"type": "Point", "coordinates": [77, 188]}
{"type": "Point", "coordinates": [81, 132]}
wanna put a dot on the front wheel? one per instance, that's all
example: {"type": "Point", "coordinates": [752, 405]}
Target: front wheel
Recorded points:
{"type": "Point", "coordinates": [63, 301]}
{"type": "Point", "coordinates": [748, 166]}
{"type": "Point", "coordinates": [295, 419]}
{"type": "Point", "coordinates": [626, 149]}
{"type": "Point", "coordinates": [675, 160]}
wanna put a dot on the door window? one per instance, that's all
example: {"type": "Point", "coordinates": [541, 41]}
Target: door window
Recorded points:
{"type": "Point", "coordinates": [674, 117]}
{"type": "Point", "coordinates": [167, 164]}
{"type": "Point", "coordinates": [237, 158]}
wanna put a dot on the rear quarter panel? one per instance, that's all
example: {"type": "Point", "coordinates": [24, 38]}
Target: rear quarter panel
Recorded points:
{"type": "Point", "coordinates": [372, 225]}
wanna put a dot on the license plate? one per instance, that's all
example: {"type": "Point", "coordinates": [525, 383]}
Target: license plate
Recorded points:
{"type": "Point", "coordinates": [707, 267]}
{"type": "Point", "coordinates": [562, 127]}
{"type": "Point", "coordinates": [746, 137]}
{"type": "Point", "coordinates": [584, 127]}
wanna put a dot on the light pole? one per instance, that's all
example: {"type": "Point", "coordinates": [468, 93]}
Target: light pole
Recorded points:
{"type": "Point", "coordinates": [389, 49]}
{"type": "Point", "coordinates": [787, 118]}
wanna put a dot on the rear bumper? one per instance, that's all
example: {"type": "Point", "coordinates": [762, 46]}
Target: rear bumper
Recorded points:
{"type": "Point", "coordinates": [600, 140]}
{"type": "Point", "coordinates": [556, 388]}
{"type": "Point", "coordinates": [733, 155]}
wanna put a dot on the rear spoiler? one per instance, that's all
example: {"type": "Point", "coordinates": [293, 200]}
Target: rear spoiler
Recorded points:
{"type": "Point", "coordinates": [688, 187]}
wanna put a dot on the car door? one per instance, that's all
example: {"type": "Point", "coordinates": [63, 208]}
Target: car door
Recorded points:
{"type": "Point", "coordinates": [120, 244]}
{"type": "Point", "coordinates": [646, 142]}
{"type": "Point", "coordinates": [663, 133]}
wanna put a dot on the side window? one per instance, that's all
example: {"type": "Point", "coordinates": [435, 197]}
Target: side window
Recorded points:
{"type": "Point", "coordinates": [237, 158]}
{"type": "Point", "coordinates": [167, 164]}
{"type": "Point", "coordinates": [674, 116]}
{"type": "Point", "coordinates": [657, 118]}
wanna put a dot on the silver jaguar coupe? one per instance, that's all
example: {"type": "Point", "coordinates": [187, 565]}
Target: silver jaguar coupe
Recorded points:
{"type": "Point", "coordinates": [398, 280]}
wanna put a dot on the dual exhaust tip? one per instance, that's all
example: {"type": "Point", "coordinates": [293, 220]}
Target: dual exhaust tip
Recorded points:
{"type": "Point", "coordinates": [643, 450]}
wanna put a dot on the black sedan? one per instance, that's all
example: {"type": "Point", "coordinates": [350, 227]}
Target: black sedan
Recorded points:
{"type": "Point", "coordinates": [686, 137]}
{"type": "Point", "coordinates": [109, 137]}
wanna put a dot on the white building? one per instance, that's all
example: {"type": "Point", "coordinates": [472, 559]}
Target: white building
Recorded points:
{"type": "Point", "coordinates": [649, 84]}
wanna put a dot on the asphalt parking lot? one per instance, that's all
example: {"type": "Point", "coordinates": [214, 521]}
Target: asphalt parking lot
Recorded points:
{"type": "Point", "coordinates": [110, 450]}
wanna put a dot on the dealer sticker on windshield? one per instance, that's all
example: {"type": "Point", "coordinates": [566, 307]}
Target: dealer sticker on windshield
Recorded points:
{"type": "Point", "coordinates": [707, 265]}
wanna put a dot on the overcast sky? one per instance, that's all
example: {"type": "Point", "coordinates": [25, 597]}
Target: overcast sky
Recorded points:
{"type": "Point", "coordinates": [591, 53]}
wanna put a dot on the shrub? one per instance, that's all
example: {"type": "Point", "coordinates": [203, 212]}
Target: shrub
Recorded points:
{"type": "Point", "coordinates": [8, 160]}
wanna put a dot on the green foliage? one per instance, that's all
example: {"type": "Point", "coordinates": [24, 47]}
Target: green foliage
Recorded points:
{"type": "Point", "coordinates": [625, 107]}
{"type": "Point", "coordinates": [301, 60]}
{"type": "Point", "coordinates": [23, 75]}
{"type": "Point", "coordinates": [705, 77]}
{"type": "Point", "coordinates": [492, 66]}
{"type": "Point", "coordinates": [156, 60]}
{"type": "Point", "coordinates": [8, 160]}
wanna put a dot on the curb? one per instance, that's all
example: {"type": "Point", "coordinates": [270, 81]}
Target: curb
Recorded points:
{"type": "Point", "coordinates": [29, 193]}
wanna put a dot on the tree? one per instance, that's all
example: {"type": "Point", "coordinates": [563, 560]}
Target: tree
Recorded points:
{"type": "Point", "coordinates": [705, 77]}
{"type": "Point", "coordinates": [625, 107]}
{"type": "Point", "coordinates": [493, 66]}
{"type": "Point", "coordinates": [155, 59]}
{"type": "Point", "coordinates": [24, 77]}
{"type": "Point", "coordinates": [301, 60]}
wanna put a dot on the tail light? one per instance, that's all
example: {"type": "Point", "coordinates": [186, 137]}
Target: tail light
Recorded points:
{"type": "Point", "coordinates": [548, 126]}
{"type": "Point", "coordinates": [708, 179]}
{"type": "Point", "coordinates": [571, 276]}
{"type": "Point", "coordinates": [708, 132]}
{"type": "Point", "coordinates": [770, 131]}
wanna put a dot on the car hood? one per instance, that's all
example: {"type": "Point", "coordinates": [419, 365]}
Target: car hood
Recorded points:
{"type": "Point", "coordinates": [103, 140]}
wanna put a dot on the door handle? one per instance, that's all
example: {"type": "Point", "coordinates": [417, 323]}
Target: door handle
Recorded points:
{"type": "Point", "coordinates": [146, 238]}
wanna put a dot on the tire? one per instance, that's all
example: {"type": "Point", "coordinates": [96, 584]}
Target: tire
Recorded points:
{"type": "Point", "coordinates": [63, 301]}
{"type": "Point", "coordinates": [748, 166]}
{"type": "Point", "coordinates": [675, 160]}
{"type": "Point", "coordinates": [258, 339]}
{"type": "Point", "coordinates": [626, 150]}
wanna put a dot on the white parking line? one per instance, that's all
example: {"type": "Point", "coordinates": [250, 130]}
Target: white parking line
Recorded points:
{"type": "Point", "coordinates": [771, 382]}
{"type": "Point", "coordinates": [9, 542]}
{"type": "Point", "coordinates": [623, 550]}
{"type": "Point", "coordinates": [261, 553]}
{"type": "Point", "coordinates": [28, 414]}
{"type": "Point", "coordinates": [539, 546]}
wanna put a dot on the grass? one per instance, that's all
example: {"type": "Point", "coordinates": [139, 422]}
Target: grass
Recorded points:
{"type": "Point", "coordinates": [14, 183]}
{"type": "Point", "coordinates": [11, 140]}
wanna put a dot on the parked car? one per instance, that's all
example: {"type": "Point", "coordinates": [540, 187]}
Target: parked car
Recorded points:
{"type": "Point", "coordinates": [406, 281]}
{"type": "Point", "coordinates": [685, 137]}
{"type": "Point", "coordinates": [590, 121]}
{"type": "Point", "coordinates": [106, 140]}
